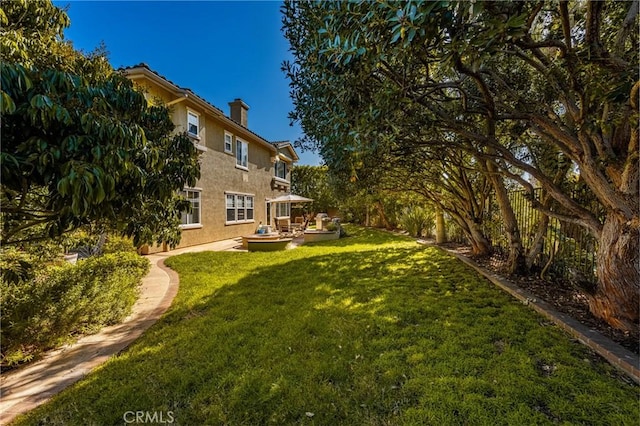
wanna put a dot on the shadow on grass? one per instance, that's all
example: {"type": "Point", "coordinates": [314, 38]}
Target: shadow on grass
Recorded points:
{"type": "Point", "coordinates": [371, 329]}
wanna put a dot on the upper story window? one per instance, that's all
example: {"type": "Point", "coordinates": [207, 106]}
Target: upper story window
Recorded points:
{"type": "Point", "coordinates": [228, 142]}
{"type": "Point", "coordinates": [191, 218]}
{"type": "Point", "coordinates": [193, 123]}
{"type": "Point", "coordinates": [242, 154]}
{"type": "Point", "coordinates": [281, 170]}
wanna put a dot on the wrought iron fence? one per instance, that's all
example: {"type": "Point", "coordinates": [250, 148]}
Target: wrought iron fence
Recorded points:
{"type": "Point", "coordinates": [568, 250]}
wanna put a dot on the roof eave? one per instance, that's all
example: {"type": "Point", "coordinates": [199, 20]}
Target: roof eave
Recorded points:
{"type": "Point", "coordinates": [143, 71]}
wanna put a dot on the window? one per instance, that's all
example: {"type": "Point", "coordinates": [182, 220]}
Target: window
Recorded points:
{"type": "Point", "coordinates": [240, 211]}
{"type": "Point", "coordinates": [281, 170]}
{"type": "Point", "coordinates": [192, 217]}
{"type": "Point", "coordinates": [228, 142]}
{"type": "Point", "coordinates": [283, 209]}
{"type": "Point", "coordinates": [240, 208]}
{"type": "Point", "coordinates": [249, 206]}
{"type": "Point", "coordinates": [242, 154]}
{"type": "Point", "coordinates": [193, 123]}
{"type": "Point", "coordinates": [231, 208]}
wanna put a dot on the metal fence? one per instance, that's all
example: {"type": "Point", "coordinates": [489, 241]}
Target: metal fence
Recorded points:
{"type": "Point", "coordinates": [568, 250]}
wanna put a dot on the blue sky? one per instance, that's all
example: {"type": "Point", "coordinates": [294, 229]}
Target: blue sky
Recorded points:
{"type": "Point", "coordinates": [220, 50]}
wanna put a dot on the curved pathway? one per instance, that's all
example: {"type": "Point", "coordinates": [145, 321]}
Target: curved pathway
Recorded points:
{"type": "Point", "coordinates": [24, 388]}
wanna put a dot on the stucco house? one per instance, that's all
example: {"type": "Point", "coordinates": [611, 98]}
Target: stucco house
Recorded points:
{"type": "Point", "coordinates": [240, 170]}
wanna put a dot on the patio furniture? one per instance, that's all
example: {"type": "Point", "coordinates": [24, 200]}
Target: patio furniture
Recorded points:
{"type": "Point", "coordinates": [283, 225]}
{"type": "Point", "coordinates": [85, 252]}
{"type": "Point", "coordinates": [298, 224]}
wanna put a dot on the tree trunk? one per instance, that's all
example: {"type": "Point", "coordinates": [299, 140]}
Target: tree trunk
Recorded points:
{"type": "Point", "coordinates": [479, 243]}
{"type": "Point", "coordinates": [538, 241]}
{"type": "Point", "coordinates": [616, 299]}
{"type": "Point", "coordinates": [441, 231]}
{"type": "Point", "coordinates": [537, 244]}
{"type": "Point", "coordinates": [383, 216]}
{"type": "Point", "coordinates": [516, 264]}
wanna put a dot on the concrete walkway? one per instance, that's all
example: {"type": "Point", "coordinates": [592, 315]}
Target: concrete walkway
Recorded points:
{"type": "Point", "coordinates": [24, 388]}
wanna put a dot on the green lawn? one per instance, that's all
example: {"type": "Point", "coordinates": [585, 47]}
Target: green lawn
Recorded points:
{"type": "Point", "coordinates": [372, 329]}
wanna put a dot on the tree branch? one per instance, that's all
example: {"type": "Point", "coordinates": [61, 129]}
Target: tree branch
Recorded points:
{"type": "Point", "coordinates": [590, 221]}
{"type": "Point", "coordinates": [627, 27]}
{"type": "Point", "coordinates": [566, 25]}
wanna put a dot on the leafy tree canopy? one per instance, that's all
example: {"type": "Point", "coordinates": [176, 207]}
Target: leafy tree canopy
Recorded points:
{"type": "Point", "coordinates": [518, 85]}
{"type": "Point", "coordinates": [314, 182]}
{"type": "Point", "coordinates": [80, 144]}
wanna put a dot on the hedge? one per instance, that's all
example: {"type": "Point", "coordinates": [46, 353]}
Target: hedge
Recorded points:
{"type": "Point", "coordinates": [64, 300]}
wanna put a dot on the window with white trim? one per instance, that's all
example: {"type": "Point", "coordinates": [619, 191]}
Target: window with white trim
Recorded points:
{"type": "Point", "coordinates": [193, 123]}
{"type": "Point", "coordinates": [281, 170]}
{"type": "Point", "coordinates": [283, 209]}
{"type": "Point", "coordinates": [242, 153]}
{"type": "Point", "coordinates": [240, 208]}
{"type": "Point", "coordinates": [249, 207]}
{"type": "Point", "coordinates": [191, 217]}
{"type": "Point", "coordinates": [228, 142]}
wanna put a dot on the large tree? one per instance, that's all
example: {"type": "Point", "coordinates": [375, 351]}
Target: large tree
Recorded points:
{"type": "Point", "coordinates": [79, 143]}
{"type": "Point", "coordinates": [494, 75]}
{"type": "Point", "coordinates": [314, 182]}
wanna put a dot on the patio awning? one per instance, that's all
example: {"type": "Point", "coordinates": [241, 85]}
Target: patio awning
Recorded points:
{"type": "Point", "coordinates": [290, 198]}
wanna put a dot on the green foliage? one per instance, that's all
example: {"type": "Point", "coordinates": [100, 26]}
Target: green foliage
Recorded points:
{"type": "Point", "coordinates": [32, 34]}
{"type": "Point", "coordinates": [314, 182]}
{"type": "Point", "coordinates": [441, 97]}
{"type": "Point", "coordinates": [80, 144]}
{"type": "Point", "coordinates": [332, 226]}
{"type": "Point", "coordinates": [32, 31]}
{"type": "Point", "coordinates": [19, 264]}
{"type": "Point", "coordinates": [115, 244]}
{"type": "Point", "coordinates": [373, 329]}
{"type": "Point", "coordinates": [51, 304]}
{"type": "Point", "coordinates": [417, 221]}
{"type": "Point", "coordinates": [16, 266]}
{"type": "Point", "coordinates": [69, 159]}
{"type": "Point", "coordinates": [373, 82]}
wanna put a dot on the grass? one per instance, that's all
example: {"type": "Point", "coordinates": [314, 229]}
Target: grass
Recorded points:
{"type": "Point", "coordinates": [368, 330]}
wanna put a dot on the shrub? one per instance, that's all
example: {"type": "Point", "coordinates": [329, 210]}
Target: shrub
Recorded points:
{"type": "Point", "coordinates": [16, 265]}
{"type": "Point", "coordinates": [116, 244]}
{"type": "Point", "coordinates": [64, 299]}
{"type": "Point", "coordinates": [331, 226]}
{"type": "Point", "coordinates": [417, 221]}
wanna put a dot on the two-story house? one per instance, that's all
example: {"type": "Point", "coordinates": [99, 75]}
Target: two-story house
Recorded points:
{"type": "Point", "coordinates": [240, 171]}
